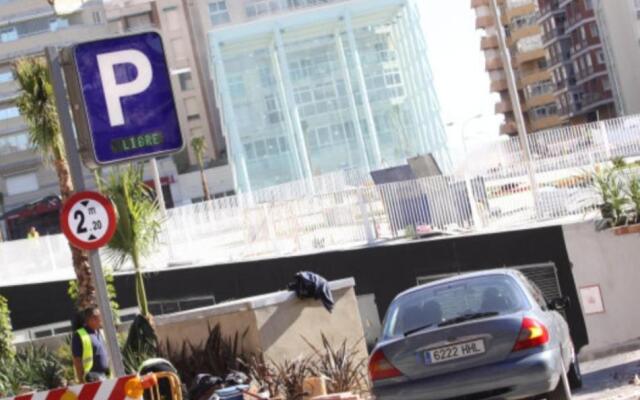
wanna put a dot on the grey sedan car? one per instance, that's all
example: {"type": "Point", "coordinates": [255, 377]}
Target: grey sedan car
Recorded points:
{"type": "Point", "coordinates": [486, 335]}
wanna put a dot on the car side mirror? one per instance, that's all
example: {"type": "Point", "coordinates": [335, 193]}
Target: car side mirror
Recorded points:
{"type": "Point", "coordinates": [559, 304]}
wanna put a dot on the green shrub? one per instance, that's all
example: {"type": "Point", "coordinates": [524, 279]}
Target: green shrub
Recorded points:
{"type": "Point", "coordinates": [7, 349]}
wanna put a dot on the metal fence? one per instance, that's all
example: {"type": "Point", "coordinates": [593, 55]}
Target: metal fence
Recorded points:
{"type": "Point", "coordinates": [346, 209]}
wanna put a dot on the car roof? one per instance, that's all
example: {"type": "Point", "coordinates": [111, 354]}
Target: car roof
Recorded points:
{"type": "Point", "coordinates": [461, 276]}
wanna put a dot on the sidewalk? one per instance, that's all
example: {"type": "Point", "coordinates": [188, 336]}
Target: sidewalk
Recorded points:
{"type": "Point", "coordinates": [608, 378]}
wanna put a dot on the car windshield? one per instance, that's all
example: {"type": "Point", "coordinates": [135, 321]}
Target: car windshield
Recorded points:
{"type": "Point", "coordinates": [454, 302]}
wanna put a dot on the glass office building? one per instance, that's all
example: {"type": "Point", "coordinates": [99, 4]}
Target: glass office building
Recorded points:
{"type": "Point", "coordinates": [341, 86]}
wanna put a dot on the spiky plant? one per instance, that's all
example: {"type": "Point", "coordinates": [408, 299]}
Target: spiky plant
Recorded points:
{"type": "Point", "coordinates": [139, 224]}
{"type": "Point", "coordinates": [344, 365]}
{"type": "Point", "coordinates": [633, 191]}
{"type": "Point", "coordinates": [37, 106]}
{"type": "Point", "coordinates": [35, 368]}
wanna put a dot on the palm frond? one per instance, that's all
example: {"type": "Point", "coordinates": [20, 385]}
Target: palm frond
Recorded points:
{"type": "Point", "coordinates": [36, 103]}
{"type": "Point", "coordinates": [139, 220]}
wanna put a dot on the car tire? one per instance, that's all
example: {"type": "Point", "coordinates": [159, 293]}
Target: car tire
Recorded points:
{"type": "Point", "coordinates": [560, 392]}
{"type": "Point", "coordinates": [575, 375]}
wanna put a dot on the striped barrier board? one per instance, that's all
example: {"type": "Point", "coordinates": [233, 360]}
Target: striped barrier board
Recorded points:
{"type": "Point", "coordinates": [113, 389]}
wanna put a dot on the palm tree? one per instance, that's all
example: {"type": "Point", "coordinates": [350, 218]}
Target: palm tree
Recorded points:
{"type": "Point", "coordinates": [199, 145]}
{"type": "Point", "coordinates": [139, 224]}
{"type": "Point", "coordinates": [37, 105]}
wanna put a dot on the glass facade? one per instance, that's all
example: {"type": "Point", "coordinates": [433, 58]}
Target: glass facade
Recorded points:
{"type": "Point", "coordinates": [345, 87]}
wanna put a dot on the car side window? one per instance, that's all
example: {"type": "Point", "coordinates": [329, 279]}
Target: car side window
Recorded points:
{"type": "Point", "coordinates": [535, 292]}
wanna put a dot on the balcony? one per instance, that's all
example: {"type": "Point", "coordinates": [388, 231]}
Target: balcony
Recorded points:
{"type": "Point", "coordinates": [484, 3]}
{"type": "Point", "coordinates": [527, 7]}
{"type": "Point", "coordinates": [540, 100]}
{"type": "Point", "coordinates": [498, 86]}
{"type": "Point", "coordinates": [546, 122]}
{"type": "Point", "coordinates": [531, 55]}
{"type": "Point", "coordinates": [549, 8]}
{"type": "Point", "coordinates": [494, 64]}
{"type": "Point", "coordinates": [484, 22]}
{"type": "Point", "coordinates": [557, 33]}
{"type": "Point", "coordinates": [540, 75]}
{"type": "Point", "coordinates": [489, 42]}
{"type": "Point", "coordinates": [503, 107]}
{"type": "Point", "coordinates": [523, 32]}
{"type": "Point", "coordinates": [509, 128]}
{"type": "Point", "coordinates": [479, 3]}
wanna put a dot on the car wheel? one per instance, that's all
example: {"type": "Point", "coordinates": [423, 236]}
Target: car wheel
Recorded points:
{"type": "Point", "coordinates": [561, 392]}
{"type": "Point", "coordinates": [575, 375]}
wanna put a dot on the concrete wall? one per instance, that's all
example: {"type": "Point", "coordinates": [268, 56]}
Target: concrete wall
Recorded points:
{"type": "Point", "coordinates": [612, 262]}
{"type": "Point", "coordinates": [276, 323]}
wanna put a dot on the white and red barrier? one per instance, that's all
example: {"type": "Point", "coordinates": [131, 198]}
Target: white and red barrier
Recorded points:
{"type": "Point", "coordinates": [113, 389]}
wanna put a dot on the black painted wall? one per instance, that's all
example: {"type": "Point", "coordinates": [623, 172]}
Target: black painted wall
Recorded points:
{"type": "Point", "coordinates": [384, 271]}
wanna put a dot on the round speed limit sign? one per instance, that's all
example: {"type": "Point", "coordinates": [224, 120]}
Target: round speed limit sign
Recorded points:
{"type": "Point", "coordinates": [88, 220]}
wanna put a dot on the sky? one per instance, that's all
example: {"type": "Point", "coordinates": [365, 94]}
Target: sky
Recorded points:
{"type": "Point", "coordinates": [461, 81]}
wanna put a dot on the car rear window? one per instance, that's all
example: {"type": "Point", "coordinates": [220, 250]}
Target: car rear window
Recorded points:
{"type": "Point", "coordinates": [435, 304]}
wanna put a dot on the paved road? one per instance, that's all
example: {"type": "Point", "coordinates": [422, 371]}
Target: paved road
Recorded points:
{"type": "Point", "coordinates": [608, 378]}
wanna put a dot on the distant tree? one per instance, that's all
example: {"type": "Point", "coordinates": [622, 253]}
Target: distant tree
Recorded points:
{"type": "Point", "coordinates": [199, 146]}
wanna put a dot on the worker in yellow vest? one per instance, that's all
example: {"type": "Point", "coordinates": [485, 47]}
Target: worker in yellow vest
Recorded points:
{"type": "Point", "coordinates": [88, 348]}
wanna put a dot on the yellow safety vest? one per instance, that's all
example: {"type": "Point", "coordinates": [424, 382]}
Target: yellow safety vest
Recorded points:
{"type": "Point", "coordinates": [87, 351]}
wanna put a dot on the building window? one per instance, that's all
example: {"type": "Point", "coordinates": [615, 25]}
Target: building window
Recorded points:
{"type": "Point", "coordinates": [588, 4]}
{"type": "Point", "coordinates": [255, 8]}
{"type": "Point", "coordinates": [58, 23]}
{"type": "Point", "coordinates": [594, 30]}
{"type": "Point", "coordinates": [218, 13]}
{"type": "Point", "coordinates": [600, 57]}
{"type": "Point", "coordinates": [97, 17]}
{"type": "Point", "coordinates": [138, 22]}
{"type": "Point", "coordinates": [9, 112]}
{"type": "Point", "coordinates": [606, 84]}
{"type": "Point", "coordinates": [186, 81]}
{"type": "Point", "coordinates": [14, 143]}
{"type": "Point", "coordinates": [6, 76]}
{"type": "Point", "coordinates": [191, 108]}
{"type": "Point", "coordinates": [8, 34]}
{"type": "Point", "coordinates": [173, 18]}
{"type": "Point", "coordinates": [23, 183]}
{"type": "Point", "coordinates": [236, 87]}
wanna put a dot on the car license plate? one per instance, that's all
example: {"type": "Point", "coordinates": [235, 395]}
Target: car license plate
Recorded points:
{"type": "Point", "coordinates": [453, 352]}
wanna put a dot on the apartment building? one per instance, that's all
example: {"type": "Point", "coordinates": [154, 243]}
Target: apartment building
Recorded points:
{"type": "Point", "coordinates": [587, 55]}
{"type": "Point", "coordinates": [26, 28]}
{"type": "Point", "coordinates": [170, 18]}
{"type": "Point", "coordinates": [577, 60]}
{"type": "Point", "coordinates": [308, 87]}
{"type": "Point", "coordinates": [520, 19]}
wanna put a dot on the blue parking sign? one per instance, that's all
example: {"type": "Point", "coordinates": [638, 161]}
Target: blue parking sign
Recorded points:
{"type": "Point", "coordinates": [128, 107]}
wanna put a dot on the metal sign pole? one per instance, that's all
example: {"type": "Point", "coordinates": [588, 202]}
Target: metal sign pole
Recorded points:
{"type": "Point", "coordinates": [75, 169]}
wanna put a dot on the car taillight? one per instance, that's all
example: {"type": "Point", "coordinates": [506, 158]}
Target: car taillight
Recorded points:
{"type": "Point", "coordinates": [380, 368]}
{"type": "Point", "coordinates": [532, 334]}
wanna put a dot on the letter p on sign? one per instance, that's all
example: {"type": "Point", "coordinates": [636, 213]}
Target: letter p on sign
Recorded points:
{"type": "Point", "coordinates": [114, 91]}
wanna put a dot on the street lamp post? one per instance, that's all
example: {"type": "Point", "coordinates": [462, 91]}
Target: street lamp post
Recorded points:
{"type": "Point", "coordinates": [475, 213]}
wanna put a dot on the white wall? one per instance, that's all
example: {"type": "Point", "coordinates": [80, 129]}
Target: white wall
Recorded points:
{"type": "Point", "coordinates": [613, 263]}
{"type": "Point", "coordinates": [620, 34]}
{"type": "Point", "coordinates": [219, 179]}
